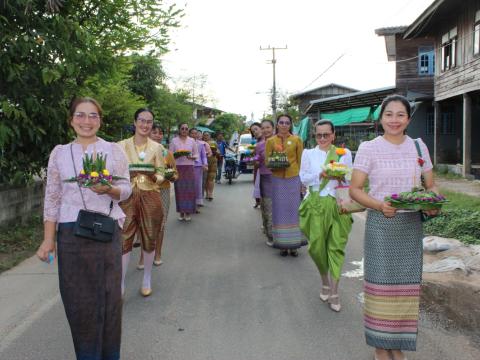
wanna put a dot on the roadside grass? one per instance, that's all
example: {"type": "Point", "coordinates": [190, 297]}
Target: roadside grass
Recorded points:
{"type": "Point", "coordinates": [460, 218]}
{"type": "Point", "coordinates": [19, 242]}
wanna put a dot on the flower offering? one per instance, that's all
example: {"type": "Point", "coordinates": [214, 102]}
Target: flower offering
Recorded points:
{"type": "Point", "coordinates": [337, 170]}
{"type": "Point", "coordinates": [169, 174]}
{"type": "Point", "coordinates": [179, 153]}
{"type": "Point", "coordinates": [94, 172]}
{"type": "Point", "coordinates": [278, 159]}
{"type": "Point", "coordinates": [417, 199]}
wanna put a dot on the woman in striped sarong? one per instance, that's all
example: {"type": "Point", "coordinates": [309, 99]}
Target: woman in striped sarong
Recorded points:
{"type": "Point", "coordinates": [286, 189]}
{"type": "Point", "coordinates": [185, 185]}
{"type": "Point", "coordinates": [393, 239]}
{"type": "Point", "coordinates": [265, 176]}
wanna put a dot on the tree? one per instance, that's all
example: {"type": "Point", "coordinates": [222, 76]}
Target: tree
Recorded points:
{"type": "Point", "coordinates": [228, 123]}
{"type": "Point", "coordinates": [47, 58]}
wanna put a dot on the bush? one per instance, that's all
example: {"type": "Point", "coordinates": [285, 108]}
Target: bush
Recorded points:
{"type": "Point", "coordinates": [460, 224]}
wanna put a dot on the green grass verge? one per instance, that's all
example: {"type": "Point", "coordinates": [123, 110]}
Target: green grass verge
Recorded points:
{"type": "Point", "coordinates": [460, 218]}
{"type": "Point", "coordinates": [19, 242]}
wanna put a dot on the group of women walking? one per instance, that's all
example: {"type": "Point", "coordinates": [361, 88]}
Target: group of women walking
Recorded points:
{"type": "Point", "coordinates": [92, 269]}
{"type": "Point", "coordinates": [391, 163]}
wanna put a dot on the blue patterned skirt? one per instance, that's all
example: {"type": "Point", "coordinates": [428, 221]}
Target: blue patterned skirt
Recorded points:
{"type": "Point", "coordinates": [285, 202]}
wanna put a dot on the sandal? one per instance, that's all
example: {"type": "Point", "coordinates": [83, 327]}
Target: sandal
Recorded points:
{"type": "Point", "coordinates": [323, 296]}
{"type": "Point", "coordinates": [283, 253]}
{"type": "Point", "coordinates": [334, 307]}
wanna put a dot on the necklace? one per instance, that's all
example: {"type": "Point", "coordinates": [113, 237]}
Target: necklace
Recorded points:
{"type": "Point", "coordinates": [140, 151]}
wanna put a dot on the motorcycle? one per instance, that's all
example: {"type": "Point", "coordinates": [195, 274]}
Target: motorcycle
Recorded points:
{"type": "Point", "coordinates": [230, 167]}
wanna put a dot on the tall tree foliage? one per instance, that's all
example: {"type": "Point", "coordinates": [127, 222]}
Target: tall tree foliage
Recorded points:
{"type": "Point", "coordinates": [48, 53]}
{"type": "Point", "coordinates": [228, 123]}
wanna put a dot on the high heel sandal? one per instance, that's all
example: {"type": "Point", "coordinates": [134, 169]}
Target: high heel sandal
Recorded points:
{"type": "Point", "coordinates": [324, 297]}
{"type": "Point", "coordinates": [334, 307]}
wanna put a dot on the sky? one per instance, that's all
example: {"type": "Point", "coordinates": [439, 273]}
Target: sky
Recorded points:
{"type": "Point", "coordinates": [221, 39]}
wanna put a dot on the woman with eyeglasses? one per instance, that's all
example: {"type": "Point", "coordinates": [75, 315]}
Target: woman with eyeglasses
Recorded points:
{"type": "Point", "coordinates": [185, 197]}
{"type": "Point", "coordinates": [89, 272]}
{"type": "Point", "coordinates": [286, 188]}
{"type": "Point", "coordinates": [325, 228]}
{"type": "Point", "coordinates": [144, 209]}
{"type": "Point", "coordinates": [265, 175]}
{"type": "Point", "coordinates": [393, 250]}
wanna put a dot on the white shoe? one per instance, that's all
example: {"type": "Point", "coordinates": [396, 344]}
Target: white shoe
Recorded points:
{"type": "Point", "coordinates": [269, 243]}
{"type": "Point", "coordinates": [334, 307]}
{"type": "Point", "coordinates": [187, 218]}
{"type": "Point", "coordinates": [157, 262]}
{"type": "Point", "coordinates": [181, 218]}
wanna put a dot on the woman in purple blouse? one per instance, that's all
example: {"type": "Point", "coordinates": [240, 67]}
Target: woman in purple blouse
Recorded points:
{"type": "Point", "coordinates": [89, 272]}
{"type": "Point", "coordinates": [185, 185]}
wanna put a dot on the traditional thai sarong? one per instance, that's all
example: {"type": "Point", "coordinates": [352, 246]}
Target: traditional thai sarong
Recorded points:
{"type": "Point", "coordinates": [212, 168]}
{"type": "Point", "coordinates": [185, 189]}
{"type": "Point", "coordinates": [393, 273]}
{"type": "Point", "coordinates": [285, 202]}
{"type": "Point", "coordinates": [198, 173]}
{"type": "Point", "coordinates": [266, 203]}
{"type": "Point", "coordinates": [165, 195]}
{"type": "Point", "coordinates": [90, 276]}
{"type": "Point", "coordinates": [144, 211]}
{"type": "Point", "coordinates": [256, 186]}
{"type": "Point", "coordinates": [327, 232]}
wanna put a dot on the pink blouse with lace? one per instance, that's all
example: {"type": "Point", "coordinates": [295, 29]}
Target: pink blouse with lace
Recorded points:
{"type": "Point", "coordinates": [391, 168]}
{"type": "Point", "coordinates": [63, 200]}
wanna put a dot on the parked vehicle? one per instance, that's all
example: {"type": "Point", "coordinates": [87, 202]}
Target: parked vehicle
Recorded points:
{"type": "Point", "coordinates": [245, 141]}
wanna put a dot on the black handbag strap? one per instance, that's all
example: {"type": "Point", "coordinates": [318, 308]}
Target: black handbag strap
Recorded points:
{"type": "Point", "coordinates": [79, 187]}
{"type": "Point", "coordinates": [419, 150]}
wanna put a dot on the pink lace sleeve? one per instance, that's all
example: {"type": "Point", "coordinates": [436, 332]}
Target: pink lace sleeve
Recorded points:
{"type": "Point", "coordinates": [53, 190]}
{"type": "Point", "coordinates": [363, 161]}
{"type": "Point", "coordinates": [120, 165]}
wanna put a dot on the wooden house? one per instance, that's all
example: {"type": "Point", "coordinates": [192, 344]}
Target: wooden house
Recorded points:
{"type": "Point", "coordinates": [454, 27]}
{"type": "Point", "coordinates": [414, 77]}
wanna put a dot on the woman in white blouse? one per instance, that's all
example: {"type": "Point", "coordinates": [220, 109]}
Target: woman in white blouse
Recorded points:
{"type": "Point", "coordinates": [320, 220]}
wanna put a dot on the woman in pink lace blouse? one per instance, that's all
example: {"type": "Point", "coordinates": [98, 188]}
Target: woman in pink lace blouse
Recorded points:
{"type": "Point", "coordinates": [393, 252]}
{"type": "Point", "coordinates": [89, 272]}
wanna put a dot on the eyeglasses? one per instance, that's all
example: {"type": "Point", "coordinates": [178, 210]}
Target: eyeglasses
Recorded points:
{"type": "Point", "coordinates": [323, 136]}
{"type": "Point", "coordinates": [83, 116]}
{"type": "Point", "coordinates": [283, 122]}
{"type": "Point", "coordinates": [145, 121]}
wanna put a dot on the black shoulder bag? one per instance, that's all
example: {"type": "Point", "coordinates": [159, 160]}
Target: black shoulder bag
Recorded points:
{"type": "Point", "coordinates": [92, 224]}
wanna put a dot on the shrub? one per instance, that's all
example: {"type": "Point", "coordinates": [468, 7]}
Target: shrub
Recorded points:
{"type": "Point", "coordinates": [460, 224]}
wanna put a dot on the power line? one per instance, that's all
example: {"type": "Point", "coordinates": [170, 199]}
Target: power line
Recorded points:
{"type": "Point", "coordinates": [319, 76]}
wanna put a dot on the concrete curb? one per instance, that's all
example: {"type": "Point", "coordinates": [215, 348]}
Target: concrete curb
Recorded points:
{"type": "Point", "coordinates": [26, 292]}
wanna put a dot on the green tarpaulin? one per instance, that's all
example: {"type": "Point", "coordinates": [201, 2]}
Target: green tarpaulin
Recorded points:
{"type": "Point", "coordinates": [301, 129]}
{"type": "Point", "coordinates": [203, 129]}
{"type": "Point", "coordinates": [363, 114]}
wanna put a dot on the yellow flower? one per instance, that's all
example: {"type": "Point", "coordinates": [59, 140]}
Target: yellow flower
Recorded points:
{"type": "Point", "coordinates": [94, 174]}
{"type": "Point", "coordinates": [105, 172]}
{"type": "Point", "coordinates": [82, 172]}
{"type": "Point", "coordinates": [341, 151]}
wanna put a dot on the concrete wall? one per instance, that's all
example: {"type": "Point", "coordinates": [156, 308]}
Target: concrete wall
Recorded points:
{"type": "Point", "coordinates": [18, 204]}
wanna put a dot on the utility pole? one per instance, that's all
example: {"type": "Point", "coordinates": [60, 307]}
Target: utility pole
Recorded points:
{"type": "Point", "coordinates": [274, 88]}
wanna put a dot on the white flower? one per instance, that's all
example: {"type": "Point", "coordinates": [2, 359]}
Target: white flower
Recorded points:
{"type": "Point", "coordinates": [289, 143]}
{"type": "Point", "coordinates": [141, 156]}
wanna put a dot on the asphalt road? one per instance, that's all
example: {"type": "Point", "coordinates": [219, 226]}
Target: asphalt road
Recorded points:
{"type": "Point", "coordinates": [222, 294]}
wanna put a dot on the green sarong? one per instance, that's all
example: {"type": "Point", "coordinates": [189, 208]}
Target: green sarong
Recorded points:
{"type": "Point", "coordinates": [327, 232]}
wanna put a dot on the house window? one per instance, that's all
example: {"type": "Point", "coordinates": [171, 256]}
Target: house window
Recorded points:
{"type": "Point", "coordinates": [476, 34]}
{"type": "Point", "coordinates": [430, 123]}
{"type": "Point", "coordinates": [449, 49]}
{"type": "Point", "coordinates": [448, 123]}
{"type": "Point", "coordinates": [426, 61]}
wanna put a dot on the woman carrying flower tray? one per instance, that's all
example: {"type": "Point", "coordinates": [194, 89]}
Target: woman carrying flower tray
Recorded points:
{"type": "Point", "coordinates": [325, 227]}
{"type": "Point", "coordinates": [393, 163]}
{"type": "Point", "coordinates": [185, 185]}
{"type": "Point", "coordinates": [89, 271]}
{"type": "Point", "coordinates": [286, 188]}
{"type": "Point", "coordinates": [144, 208]}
